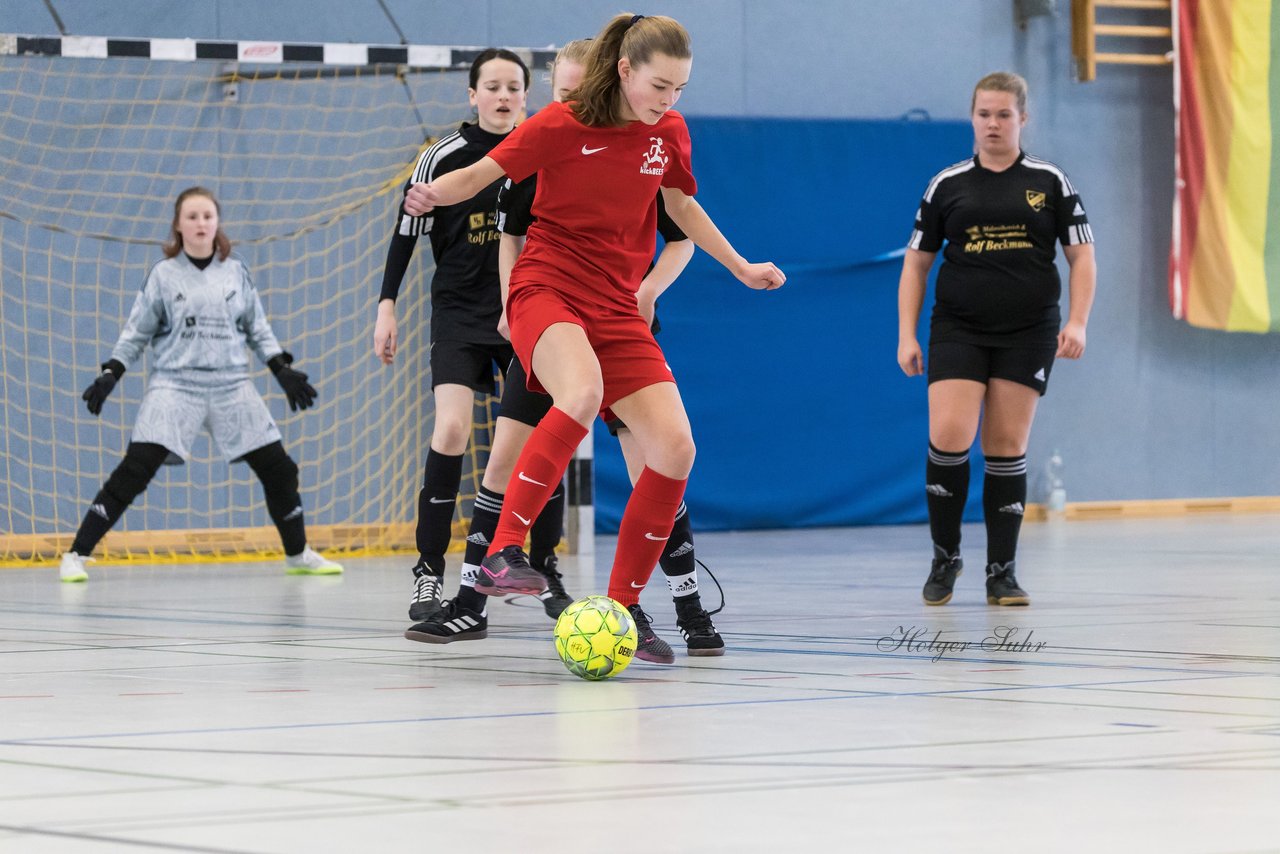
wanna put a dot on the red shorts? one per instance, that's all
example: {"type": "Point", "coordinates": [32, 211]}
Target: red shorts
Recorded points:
{"type": "Point", "coordinates": [630, 359]}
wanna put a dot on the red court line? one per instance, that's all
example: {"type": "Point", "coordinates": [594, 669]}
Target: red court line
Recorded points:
{"type": "Point", "coordinates": [278, 691]}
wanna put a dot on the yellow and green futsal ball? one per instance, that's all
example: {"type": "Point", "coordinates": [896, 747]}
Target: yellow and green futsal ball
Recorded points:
{"type": "Point", "coordinates": [595, 637]}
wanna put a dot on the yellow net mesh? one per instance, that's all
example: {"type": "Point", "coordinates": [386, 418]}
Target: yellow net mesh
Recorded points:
{"type": "Point", "coordinates": [307, 163]}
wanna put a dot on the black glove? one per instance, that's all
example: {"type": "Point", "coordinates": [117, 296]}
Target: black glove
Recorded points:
{"type": "Point", "coordinates": [98, 390]}
{"type": "Point", "coordinates": [301, 394]}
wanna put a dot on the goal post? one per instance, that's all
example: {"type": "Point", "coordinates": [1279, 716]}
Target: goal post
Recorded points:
{"type": "Point", "coordinates": [307, 148]}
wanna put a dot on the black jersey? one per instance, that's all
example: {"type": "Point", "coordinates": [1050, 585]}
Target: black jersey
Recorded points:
{"type": "Point", "coordinates": [515, 215]}
{"type": "Point", "coordinates": [998, 283]}
{"type": "Point", "coordinates": [465, 298]}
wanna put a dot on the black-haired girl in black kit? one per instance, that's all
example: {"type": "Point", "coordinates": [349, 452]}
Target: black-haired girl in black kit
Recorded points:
{"type": "Point", "coordinates": [465, 309]}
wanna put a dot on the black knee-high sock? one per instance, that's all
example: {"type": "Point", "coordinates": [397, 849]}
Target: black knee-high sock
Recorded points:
{"type": "Point", "coordinates": [440, 478]}
{"type": "Point", "coordinates": [141, 462]}
{"type": "Point", "coordinates": [1003, 498]}
{"type": "Point", "coordinates": [279, 475]}
{"type": "Point", "coordinates": [484, 521]}
{"type": "Point", "coordinates": [947, 490]}
{"type": "Point", "coordinates": [548, 528]}
{"type": "Point", "coordinates": [677, 559]}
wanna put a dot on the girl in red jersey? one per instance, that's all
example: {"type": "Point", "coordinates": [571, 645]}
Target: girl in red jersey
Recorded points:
{"type": "Point", "coordinates": [601, 159]}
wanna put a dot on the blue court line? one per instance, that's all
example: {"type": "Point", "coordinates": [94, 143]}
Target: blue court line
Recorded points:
{"type": "Point", "coordinates": [852, 695]}
{"type": "Point", "coordinates": [79, 615]}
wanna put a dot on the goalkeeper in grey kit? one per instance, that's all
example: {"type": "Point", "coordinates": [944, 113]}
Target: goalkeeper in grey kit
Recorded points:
{"type": "Point", "coordinates": [198, 310]}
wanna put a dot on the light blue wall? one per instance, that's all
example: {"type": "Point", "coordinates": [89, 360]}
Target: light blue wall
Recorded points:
{"type": "Point", "coordinates": [1156, 409]}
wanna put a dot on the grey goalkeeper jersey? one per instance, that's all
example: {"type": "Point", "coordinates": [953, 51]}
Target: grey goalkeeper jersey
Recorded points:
{"type": "Point", "coordinates": [197, 319]}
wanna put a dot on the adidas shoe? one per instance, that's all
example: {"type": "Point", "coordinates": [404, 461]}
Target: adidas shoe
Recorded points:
{"type": "Point", "coordinates": [1002, 587]}
{"type": "Point", "coordinates": [428, 590]}
{"type": "Point", "coordinates": [695, 624]}
{"type": "Point", "coordinates": [649, 647]}
{"type": "Point", "coordinates": [72, 569]}
{"type": "Point", "coordinates": [942, 577]}
{"type": "Point", "coordinates": [554, 599]}
{"type": "Point", "coordinates": [310, 562]}
{"type": "Point", "coordinates": [509, 571]}
{"type": "Point", "coordinates": [451, 623]}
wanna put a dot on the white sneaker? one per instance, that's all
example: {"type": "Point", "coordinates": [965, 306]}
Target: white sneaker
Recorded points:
{"type": "Point", "coordinates": [72, 569]}
{"type": "Point", "coordinates": [310, 562]}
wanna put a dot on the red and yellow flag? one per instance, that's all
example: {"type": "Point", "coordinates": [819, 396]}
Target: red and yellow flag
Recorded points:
{"type": "Point", "coordinates": [1224, 270]}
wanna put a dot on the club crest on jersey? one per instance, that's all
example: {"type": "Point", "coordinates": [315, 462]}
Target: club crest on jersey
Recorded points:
{"type": "Point", "coordinates": [655, 159]}
{"type": "Point", "coordinates": [1035, 198]}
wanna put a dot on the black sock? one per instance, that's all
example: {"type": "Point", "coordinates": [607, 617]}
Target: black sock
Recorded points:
{"type": "Point", "coordinates": [548, 528]}
{"type": "Point", "coordinates": [484, 521]}
{"type": "Point", "coordinates": [141, 462]}
{"type": "Point", "coordinates": [677, 557]}
{"type": "Point", "coordinates": [103, 514]}
{"type": "Point", "coordinates": [946, 490]}
{"type": "Point", "coordinates": [1004, 494]}
{"type": "Point", "coordinates": [279, 475]}
{"type": "Point", "coordinates": [440, 479]}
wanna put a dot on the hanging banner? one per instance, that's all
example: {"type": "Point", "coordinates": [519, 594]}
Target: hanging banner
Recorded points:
{"type": "Point", "coordinates": [1224, 270]}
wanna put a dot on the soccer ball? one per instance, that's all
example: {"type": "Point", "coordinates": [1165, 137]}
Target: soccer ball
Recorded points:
{"type": "Point", "coordinates": [595, 637]}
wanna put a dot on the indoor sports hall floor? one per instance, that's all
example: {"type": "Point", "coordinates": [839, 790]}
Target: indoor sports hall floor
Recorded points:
{"type": "Point", "coordinates": [231, 708]}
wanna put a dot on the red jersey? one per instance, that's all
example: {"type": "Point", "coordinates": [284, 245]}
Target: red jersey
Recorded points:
{"type": "Point", "coordinates": [595, 205]}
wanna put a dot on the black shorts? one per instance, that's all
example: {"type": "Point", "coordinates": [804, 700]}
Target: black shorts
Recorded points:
{"type": "Point", "coordinates": [471, 365]}
{"type": "Point", "coordinates": [1029, 366]}
{"type": "Point", "coordinates": [518, 402]}
{"type": "Point", "coordinates": [614, 425]}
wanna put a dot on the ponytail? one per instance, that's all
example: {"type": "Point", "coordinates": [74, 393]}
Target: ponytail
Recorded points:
{"type": "Point", "coordinates": [597, 102]}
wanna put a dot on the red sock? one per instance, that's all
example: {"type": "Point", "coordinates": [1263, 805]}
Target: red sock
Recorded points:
{"type": "Point", "coordinates": [646, 524]}
{"type": "Point", "coordinates": [537, 474]}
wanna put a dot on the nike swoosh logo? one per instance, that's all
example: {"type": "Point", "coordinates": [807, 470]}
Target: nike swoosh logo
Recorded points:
{"type": "Point", "coordinates": [440, 500]}
{"type": "Point", "coordinates": [649, 536]}
{"type": "Point", "coordinates": [637, 586]}
{"type": "Point", "coordinates": [521, 518]}
{"type": "Point", "coordinates": [586, 150]}
{"type": "Point", "coordinates": [528, 479]}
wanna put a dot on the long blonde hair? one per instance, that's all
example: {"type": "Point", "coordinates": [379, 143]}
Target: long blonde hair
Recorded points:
{"type": "Point", "coordinates": [221, 243]}
{"type": "Point", "coordinates": [598, 101]}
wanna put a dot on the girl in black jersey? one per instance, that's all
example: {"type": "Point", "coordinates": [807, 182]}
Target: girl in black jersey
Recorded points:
{"type": "Point", "coordinates": [465, 308]}
{"type": "Point", "coordinates": [996, 326]}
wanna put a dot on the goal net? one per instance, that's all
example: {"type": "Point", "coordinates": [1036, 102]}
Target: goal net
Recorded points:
{"type": "Point", "coordinates": [307, 160]}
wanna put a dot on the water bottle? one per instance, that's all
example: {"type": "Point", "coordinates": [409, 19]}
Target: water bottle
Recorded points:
{"type": "Point", "coordinates": [1057, 492]}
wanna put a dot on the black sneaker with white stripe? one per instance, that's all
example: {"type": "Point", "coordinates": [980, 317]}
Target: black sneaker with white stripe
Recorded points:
{"type": "Point", "coordinates": [555, 598]}
{"type": "Point", "coordinates": [453, 623]}
{"type": "Point", "coordinates": [700, 635]}
{"type": "Point", "coordinates": [428, 590]}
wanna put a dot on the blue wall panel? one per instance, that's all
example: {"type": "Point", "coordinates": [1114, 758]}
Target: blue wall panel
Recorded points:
{"type": "Point", "coordinates": [801, 414]}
